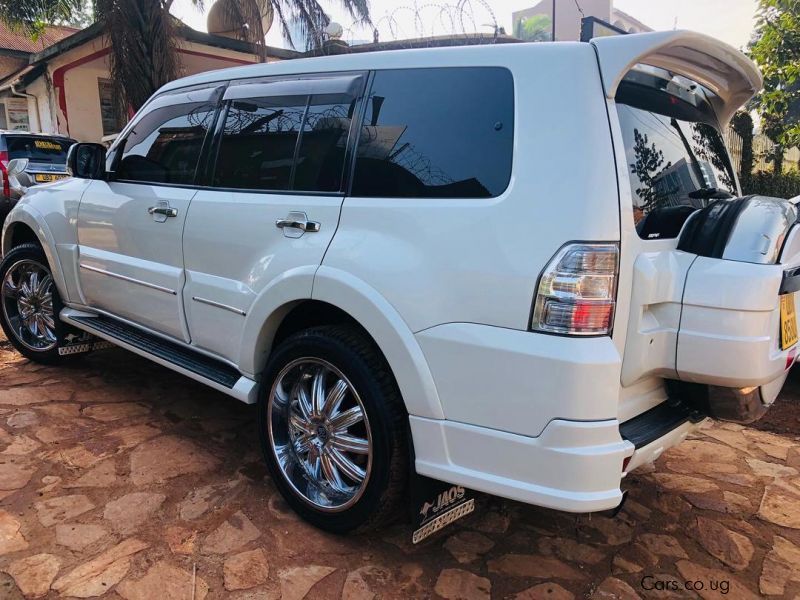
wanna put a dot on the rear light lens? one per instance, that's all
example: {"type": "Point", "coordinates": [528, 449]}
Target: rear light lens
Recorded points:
{"type": "Point", "coordinates": [577, 290]}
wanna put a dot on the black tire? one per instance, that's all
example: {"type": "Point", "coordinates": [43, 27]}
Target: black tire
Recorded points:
{"type": "Point", "coordinates": [31, 252]}
{"type": "Point", "coordinates": [361, 362]}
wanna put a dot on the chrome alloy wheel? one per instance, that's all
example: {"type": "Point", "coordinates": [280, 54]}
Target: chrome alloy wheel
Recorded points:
{"type": "Point", "coordinates": [319, 433]}
{"type": "Point", "coordinates": [27, 297]}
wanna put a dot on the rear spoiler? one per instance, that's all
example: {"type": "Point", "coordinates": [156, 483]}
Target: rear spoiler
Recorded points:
{"type": "Point", "coordinates": [732, 76]}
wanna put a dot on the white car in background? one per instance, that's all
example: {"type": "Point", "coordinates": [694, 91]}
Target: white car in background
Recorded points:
{"type": "Point", "coordinates": [524, 269]}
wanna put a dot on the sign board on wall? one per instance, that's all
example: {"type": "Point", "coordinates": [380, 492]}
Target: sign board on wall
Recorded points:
{"type": "Point", "coordinates": [17, 114]}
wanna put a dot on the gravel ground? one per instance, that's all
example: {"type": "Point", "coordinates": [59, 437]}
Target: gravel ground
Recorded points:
{"type": "Point", "coordinates": [121, 479]}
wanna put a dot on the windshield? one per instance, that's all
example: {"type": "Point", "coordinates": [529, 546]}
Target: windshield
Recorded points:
{"type": "Point", "coordinates": [676, 156]}
{"type": "Point", "coordinates": [39, 149]}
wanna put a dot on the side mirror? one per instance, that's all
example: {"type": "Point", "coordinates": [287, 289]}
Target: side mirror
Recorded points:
{"type": "Point", "coordinates": [87, 161]}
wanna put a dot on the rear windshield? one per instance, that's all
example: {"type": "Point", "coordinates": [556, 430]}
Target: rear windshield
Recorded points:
{"type": "Point", "coordinates": [676, 156]}
{"type": "Point", "coordinates": [38, 149]}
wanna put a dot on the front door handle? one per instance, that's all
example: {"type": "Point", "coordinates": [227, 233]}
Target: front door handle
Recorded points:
{"type": "Point", "coordinates": [296, 223]}
{"type": "Point", "coordinates": [165, 211]}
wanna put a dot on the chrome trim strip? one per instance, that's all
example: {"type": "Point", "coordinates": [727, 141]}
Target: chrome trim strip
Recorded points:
{"type": "Point", "coordinates": [232, 309]}
{"type": "Point", "coordinates": [130, 279]}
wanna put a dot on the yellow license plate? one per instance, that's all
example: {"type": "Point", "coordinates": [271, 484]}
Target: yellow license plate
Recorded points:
{"type": "Point", "coordinates": [45, 177]}
{"type": "Point", "coordinates": [788, 322]}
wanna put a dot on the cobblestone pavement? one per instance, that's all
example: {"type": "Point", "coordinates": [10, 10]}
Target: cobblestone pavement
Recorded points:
{"type": "Point", "coordinates": [120, 478]}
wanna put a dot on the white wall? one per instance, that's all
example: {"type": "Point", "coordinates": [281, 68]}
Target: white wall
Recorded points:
{"type": "Point", "coordinates": [44, 102]}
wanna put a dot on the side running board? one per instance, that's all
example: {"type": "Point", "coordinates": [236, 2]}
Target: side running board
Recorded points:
{"type": "Point", "coordinates": [212, 372]}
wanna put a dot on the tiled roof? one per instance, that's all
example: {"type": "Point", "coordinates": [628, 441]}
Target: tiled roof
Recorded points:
{"type": "Point", "coordinates": [21, 41]}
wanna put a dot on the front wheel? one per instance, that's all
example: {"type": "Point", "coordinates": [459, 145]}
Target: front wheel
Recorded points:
{"type": "Point", "coordinates": [30, 304]}
{"type": "Point", "coordinates": [332, 428]}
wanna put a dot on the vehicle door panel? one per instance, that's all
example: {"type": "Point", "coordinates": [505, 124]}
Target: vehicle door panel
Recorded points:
{"type": "Point", "coordinates": [130, 228]}
{"type": "Point", "coordinates": [131, 265]}
{"type": "Point", "coordinates": [234, 243]}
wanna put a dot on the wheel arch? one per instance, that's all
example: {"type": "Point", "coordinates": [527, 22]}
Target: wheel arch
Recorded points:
{"type": "Point", "coordinates": [339, 297]}
{"type": "Point", "coordinates": [25, 225]}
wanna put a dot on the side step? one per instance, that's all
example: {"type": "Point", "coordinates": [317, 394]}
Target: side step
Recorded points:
{"type": "Point", "coordinates": [200, 367]}
{"type": "Point", "coordinates": [658, 422]}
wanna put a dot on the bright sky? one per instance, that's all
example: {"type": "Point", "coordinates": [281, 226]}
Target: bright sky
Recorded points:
{"type": "Point", "coordinates": [728, 20]}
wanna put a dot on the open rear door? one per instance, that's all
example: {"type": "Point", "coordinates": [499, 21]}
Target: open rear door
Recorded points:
{"type": "Point", "coordinates": [716, 65]}
{"type": "Point", "coordinates": [714, 286]}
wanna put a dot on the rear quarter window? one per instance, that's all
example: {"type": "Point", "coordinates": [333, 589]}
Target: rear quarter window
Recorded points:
{"type": "Point", "coordinates": [437, 133]}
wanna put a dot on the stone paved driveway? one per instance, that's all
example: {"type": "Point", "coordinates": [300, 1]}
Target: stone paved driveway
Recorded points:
{"type": "Point", "coordinates": [121, 479]}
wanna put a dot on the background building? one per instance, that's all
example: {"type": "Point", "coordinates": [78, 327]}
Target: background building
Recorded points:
{"type": "Point", "coordinates": [16, 49]}
{"type": "Point", "coordinates": [65, 87]}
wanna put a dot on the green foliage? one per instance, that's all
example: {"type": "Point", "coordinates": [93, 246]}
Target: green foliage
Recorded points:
{"type": "Point", "coordinates": [32, 15]}
{"type": "Point", "coordinates": [536, 28]}
{"type": "Point", "coordinates": [80, 18]}
{"type": "Point", "coordinates": [776, 49]}
{"type": "Point", "coordinates": [779, 185]}
{"type": "Point", "coordinates": [143, 33]}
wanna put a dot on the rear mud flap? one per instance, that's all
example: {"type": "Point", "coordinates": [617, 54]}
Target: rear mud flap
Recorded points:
{"type": "Point", "coordinates": [435, 504]}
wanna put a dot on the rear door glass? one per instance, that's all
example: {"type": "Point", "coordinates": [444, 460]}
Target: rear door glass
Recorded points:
{"type": "Point", "coordinates": [675, 154]}
{"type": "Point", "coordinates": [258, 143]}
{"type": "Point", "coordinates": [38, 149]}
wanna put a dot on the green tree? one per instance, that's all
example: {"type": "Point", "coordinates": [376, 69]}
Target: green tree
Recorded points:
{"type": "Point", "coordinates": [776, 48]}
{"type": "Point", "coordinates": [143, 33]}
{"type": "Point", "coordinates": [537, 28]}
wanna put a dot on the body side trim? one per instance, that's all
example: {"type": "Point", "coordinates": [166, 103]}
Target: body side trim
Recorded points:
{"type": "Point", "coordinates": [215, 304]}
{"type": "Point", "coordinates": [129, 279]}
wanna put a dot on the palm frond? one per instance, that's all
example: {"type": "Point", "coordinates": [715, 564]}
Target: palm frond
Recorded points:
{"type": "Point", "coordinates": [310, 18]}
{"type": "Point", "coordinates": [306, 16]}
{"type": "Point", "coordinates": [143, 48]}
{"type": "Point", "coordinates": [244, 18]}
{"type": "Point", "coordinates": [31, 16]}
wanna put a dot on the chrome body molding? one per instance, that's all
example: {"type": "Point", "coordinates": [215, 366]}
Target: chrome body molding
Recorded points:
{"type": "Point", "coordinates": [232, 309]}
{"type": "Point", "coordinates": [153, 286]}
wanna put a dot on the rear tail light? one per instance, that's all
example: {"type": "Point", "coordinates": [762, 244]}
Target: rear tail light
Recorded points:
{"type": "Point", "coordinates": [4, 174]}
{"type": "Point", "coordinates": [577, 290]}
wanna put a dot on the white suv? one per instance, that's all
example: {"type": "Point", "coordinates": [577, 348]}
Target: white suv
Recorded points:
{"type": "Point", "coordinates": [520, 268]}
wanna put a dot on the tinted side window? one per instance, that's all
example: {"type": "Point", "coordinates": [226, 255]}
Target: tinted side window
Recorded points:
{"type": "Point", "coordinates": [437, 133]}
{"type": "Point", "coordinates": [323, 142]}
{"type": "Point", "coordinates": [258, 143]}
{"type": "Point", "coordinates": [164, 146]}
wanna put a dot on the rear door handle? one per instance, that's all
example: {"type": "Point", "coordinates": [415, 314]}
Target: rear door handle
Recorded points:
{"type": "Point", "coordinates": [296, 220]}
{"type": "Point", "coordinates": [165, 211]}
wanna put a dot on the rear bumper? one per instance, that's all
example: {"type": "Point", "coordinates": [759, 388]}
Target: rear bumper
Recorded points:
{"type": "Point", "coordinates": [573, 466]}
{"type": "Point", "coordinates": [659, 428]}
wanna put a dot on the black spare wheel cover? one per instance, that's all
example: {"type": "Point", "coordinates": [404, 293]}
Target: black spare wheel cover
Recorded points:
{"type": "Point", "coordinates": [708, 231]}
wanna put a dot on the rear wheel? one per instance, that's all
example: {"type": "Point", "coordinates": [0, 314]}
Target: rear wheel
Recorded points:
{"type": "Point", "coordinates": [30, 304]}
{"type": "Point", "coordinates": [332, 428]}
